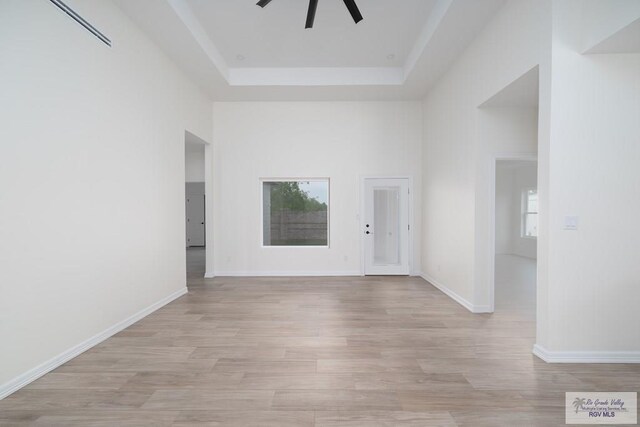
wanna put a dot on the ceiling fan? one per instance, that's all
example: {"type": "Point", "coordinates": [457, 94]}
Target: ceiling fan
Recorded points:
{"type": "Point", "coordinates": [313, 5]}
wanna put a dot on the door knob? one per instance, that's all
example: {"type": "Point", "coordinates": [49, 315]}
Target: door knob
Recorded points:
{"type": "Point", "coordinates": [367, 232]}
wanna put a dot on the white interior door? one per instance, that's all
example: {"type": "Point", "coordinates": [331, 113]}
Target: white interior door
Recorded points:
{"type": "Point", "coordinates": [386, 226]}
{"type": "Point", "coordinates": [195, 220]}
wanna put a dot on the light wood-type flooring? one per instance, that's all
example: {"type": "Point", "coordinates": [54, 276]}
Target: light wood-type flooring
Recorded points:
{"type": "Point", "coordinates": [374, 351]}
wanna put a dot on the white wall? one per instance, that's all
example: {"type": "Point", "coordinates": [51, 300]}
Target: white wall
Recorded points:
{"type": "Point", "coordinates": [512, 179]}
{"type": "Point", "coordinates": [461, 142]}
{"type": "Point", "coordinates": [91, 178]}
{"type": "Point", "coordinates": [588, 155]}
{"type": "Point", "coordinates": [194, 162]}
{"type": "Point", "coordinates": [594, 274]}
{"type": "Point", "coordinates": [339, 140]}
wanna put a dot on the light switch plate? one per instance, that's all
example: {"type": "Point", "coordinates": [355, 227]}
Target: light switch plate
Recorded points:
{"type": "Point", "coordinates": [571, 223]}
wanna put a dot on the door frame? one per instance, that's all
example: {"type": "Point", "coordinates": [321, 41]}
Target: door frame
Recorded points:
{"type": "Point", "coordinates": [526, 157]}
{"type": "Point", "coordinates": [360, 220]}
{"type": "Point", "coordinates": [208, 200]}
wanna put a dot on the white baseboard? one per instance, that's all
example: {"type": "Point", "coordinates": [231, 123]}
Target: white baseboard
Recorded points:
{"type": "Point", "coordinates": [33, 374]}
{"type": "Point", "coordinates": [290, 274]}
{"type": "Point", "coordinates": [287, 273]}
{"type": "Point", "coordinates": [518, 255]}
{"type": "Point", "coordinates": [479, 309]}
{"type": "Point", "coordinates": [586, 356]}
{"type": "Point", "coordinates": [454, 296]}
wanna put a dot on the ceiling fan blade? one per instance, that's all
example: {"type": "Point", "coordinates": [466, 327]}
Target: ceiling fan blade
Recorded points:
{"type": "Point", "coordinates": [263, 3]}
{"type": "Point", "coordinates": [353, 10]}
{"type": "Point", "coordinates": [311, 13]}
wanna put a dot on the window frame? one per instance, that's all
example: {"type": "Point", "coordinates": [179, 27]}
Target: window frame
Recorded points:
{"type": "Point", "coordinates": [261, 182]}
{"type": "Point", "coordinates": [524, 211]}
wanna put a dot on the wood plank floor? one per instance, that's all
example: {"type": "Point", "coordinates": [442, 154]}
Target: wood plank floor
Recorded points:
{"type": "Point", "coordinates": [313, 352]}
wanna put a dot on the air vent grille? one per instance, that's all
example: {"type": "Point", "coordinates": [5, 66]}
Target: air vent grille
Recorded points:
{"type": "Point", "coordinates": [80, 20]}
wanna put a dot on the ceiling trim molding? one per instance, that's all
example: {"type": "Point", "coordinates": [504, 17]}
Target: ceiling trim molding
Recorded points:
{"type": "Point", "coordinates": [310, 76]}
{"type": "Point", "coordinates": [200, 35]}
{"type": "Point", "coordinates": [175, 27]}
{"type": "Point", "coordinates": [428, 30]}
{"type": "Point", "coordinates": [316, 76]}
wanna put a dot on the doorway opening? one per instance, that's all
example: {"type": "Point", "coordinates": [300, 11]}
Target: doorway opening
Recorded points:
{"type": "Point", "coordinates": [195, 206]}
{"type": "Point", "coordinates": [515, 236]}
{"type": "Point", "coordinates": [508, 123]}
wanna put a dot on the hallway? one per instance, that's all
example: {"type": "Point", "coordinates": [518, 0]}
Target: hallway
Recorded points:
{"type": "Point", "coordinates": [515, 288]}
{"type": "Point", "coordinates": [196, 264]}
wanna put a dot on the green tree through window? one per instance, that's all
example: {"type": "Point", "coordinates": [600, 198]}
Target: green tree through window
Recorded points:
{"type": "Point", "coordinates": [295, 213]}
{"type": "Point", "coordinates": [289, 195]}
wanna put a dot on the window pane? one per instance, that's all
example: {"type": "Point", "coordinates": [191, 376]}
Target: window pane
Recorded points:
{"type": "Point", "coordinates": [531, 225]}
{"type": "Point", "coordinates": [386, 223]}
{"type": "Point", "coordinates": [295, 213]}
{"type": "Point", "coordinates": [532, 201]}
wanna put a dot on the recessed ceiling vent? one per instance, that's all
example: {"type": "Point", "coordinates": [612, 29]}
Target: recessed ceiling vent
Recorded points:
{"type": "Point", "coordinates": [313, 5]}
{"type": "Point", "coordinates": [80, 20]}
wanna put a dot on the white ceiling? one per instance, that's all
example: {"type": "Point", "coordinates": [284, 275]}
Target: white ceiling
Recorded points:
{"type": "Point", "coordinates": [193, 142]}
{"type": "Point", "coordinates": [335, 60]}
{"type": "Point", "coordinates": [522, 92]}
{"type": "Point", "coordinates": [275, 36]}
{"type": "Point", "coordinates": [625, 40]}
